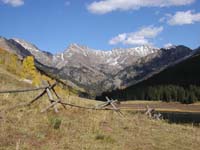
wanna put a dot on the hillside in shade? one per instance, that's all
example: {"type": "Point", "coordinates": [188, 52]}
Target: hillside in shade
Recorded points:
{"type": "Point", "coordinates": [179, 82]}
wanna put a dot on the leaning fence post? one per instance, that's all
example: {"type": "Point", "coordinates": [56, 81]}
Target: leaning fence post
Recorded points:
{"type": "Point", "coordinates": [51, 100]}
{"type": "Point", "coordinates": [51, 93]}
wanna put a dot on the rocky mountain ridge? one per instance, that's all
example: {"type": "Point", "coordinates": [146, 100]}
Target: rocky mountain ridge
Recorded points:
{"type": "Point", "coordinates": [178, 82]}
{"type": "Point", "coordinates": [97, 70]}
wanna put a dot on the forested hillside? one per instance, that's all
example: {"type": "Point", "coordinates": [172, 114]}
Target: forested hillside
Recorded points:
{"type": "Point", "coordinates": [180, 82]}
{"type": "Point", "coordinates": [26, 71]}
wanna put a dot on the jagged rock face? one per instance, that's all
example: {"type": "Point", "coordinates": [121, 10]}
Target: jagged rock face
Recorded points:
{"type": "Point", "coordinates": [147, 66]}
{"type": "Point", "coordinates": [104, 61]}
{"type": "Point", "coordinates": [88, 67]}
{"type": "Point", "coordinates": [13, 47]}
{"type": "Point", "coordinates": [97, 70]}
{"type": "Point", "coordinates": [42, 56]}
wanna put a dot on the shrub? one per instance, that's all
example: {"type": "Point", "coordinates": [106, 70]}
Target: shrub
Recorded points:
{"type": "Point", "coordinates": [55, 122]}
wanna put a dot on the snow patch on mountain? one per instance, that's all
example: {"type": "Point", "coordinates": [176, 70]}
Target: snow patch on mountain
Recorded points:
{"type": "Point", "coordinates": [32, 48]}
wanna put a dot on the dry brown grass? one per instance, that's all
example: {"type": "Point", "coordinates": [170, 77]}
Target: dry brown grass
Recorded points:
{"type": "Point", "coordinates": [161, 106]}
{"type": "Point", "coordinates": [27, 128]}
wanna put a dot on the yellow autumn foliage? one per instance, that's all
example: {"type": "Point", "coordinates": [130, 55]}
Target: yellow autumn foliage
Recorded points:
{"type": "Point", "coordinates": [26, 69]}
{"type": "Point", "coordinates": [10, 62]}
{"type": "Point", "coordinates": [30, 72]}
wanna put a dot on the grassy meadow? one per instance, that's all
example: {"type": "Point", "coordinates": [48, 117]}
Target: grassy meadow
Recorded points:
{"type": "Point", "coordinates": [26, 128]}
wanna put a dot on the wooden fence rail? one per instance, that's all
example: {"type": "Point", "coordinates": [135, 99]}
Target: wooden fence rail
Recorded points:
{"type": "Point", "coordinates": [22, 90]}
{"type": "Point", "coordinates": [50, 91]}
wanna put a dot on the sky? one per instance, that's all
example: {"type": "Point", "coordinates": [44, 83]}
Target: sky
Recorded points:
{"type": "Point", "coordinates": [101, 24]}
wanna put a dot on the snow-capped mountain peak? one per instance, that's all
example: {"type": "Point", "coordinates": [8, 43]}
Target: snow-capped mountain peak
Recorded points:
{"type": "Point", "coordinates": [42, 56]}
{"type": "Point", "coordinates": [135, 51]}
{"type": "Point", "coordinates": [117, 58]}
{"type": "Point", "coordinates": [99, 70]}
{"type": "Point", "coordinates": [78, 54]}
{"type": "Point", "coordinates": [26, 45]}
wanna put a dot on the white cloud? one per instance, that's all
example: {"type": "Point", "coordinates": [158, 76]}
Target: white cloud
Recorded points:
{"type": "Point", "coordinates": [168, 45]}
{"type": "Point", "coordinates": [181, 18]}
{"type": "Point", "coordinates": [14, 3]}
{"type": "Point", "coordinates": [106, 6]}
{"type": "Point", "coordinates": [118, 39]}
{"type": "Point", "coordinates": [140, 37]}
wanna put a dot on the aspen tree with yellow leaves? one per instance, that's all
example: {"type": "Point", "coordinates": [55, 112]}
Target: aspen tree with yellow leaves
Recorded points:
{"type": "Point", "coordinates": [29, 70]}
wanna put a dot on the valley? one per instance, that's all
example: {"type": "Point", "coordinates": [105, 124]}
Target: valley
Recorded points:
{"type": "Point", "coordinates": [74, 128]}
{"type": "Point", "coordinates": [82, 72]}
{"type": "Point", "coordinates": [99, 75]}
{"type": "Point", "coordinates": [98, 71]}
{"type": "Point", "coordinates": [179, 82]}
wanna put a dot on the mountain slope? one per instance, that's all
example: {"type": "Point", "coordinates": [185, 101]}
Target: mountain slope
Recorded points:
{"type": "Point", "coordinates": [28, 128]}
{"type": "Point", "coordinates": [13, 47]}
{"type": "Point", "coordinates": [87, 67]}
{"type": "Point", "coordinates": [149, 65]}
{"type": "Point", "coordinates": [14, 65]}
{"type": "Point", "coordinates": [179, 82]}
{"type": "Point", "coordinates": [42, 56]}
{"type": "Point", "coordinates": [96, 70]}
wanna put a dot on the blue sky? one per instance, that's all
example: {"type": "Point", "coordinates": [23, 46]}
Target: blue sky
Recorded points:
{"type": "Point", "coordinates": [102, 24]}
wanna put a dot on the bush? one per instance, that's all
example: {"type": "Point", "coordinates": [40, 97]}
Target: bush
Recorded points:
{"type": "Point", "coordinates": [55, 122]}
{"type": "Point", "coordinates": [107, 139]}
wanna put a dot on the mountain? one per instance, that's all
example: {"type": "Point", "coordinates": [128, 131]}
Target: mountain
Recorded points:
{"type": "Point", "coordinates": [113, 60]}
{"type": "Point", "coordinates": [13, 47]}
{"type": "Point", "coordinates": [87, 67]}
{"type": "Point", "coordinates": [147, 66]}
{"type": "Point", "coordinates": [42, 56]}
{"type": "Point", "coordinates": [23, 51]}
{"type": "Point", "coordinates": [177, 82]}
{"type": "Point", "coordinates": [96, 70]}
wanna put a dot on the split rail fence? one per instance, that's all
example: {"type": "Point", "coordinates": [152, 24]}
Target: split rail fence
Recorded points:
{"type": "Point", "coordinates": [51, 93]}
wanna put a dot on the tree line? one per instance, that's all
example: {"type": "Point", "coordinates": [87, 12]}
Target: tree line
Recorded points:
{"type": "Point", "coordinates": [167, 93]}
